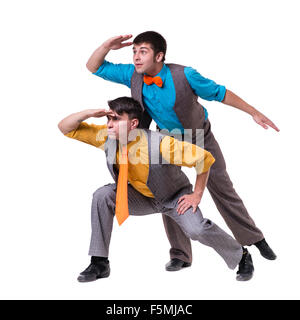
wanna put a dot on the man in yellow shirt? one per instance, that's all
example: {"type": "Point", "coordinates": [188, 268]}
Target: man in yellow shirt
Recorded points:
{"type": "Point", "coordinates": [156, 183]}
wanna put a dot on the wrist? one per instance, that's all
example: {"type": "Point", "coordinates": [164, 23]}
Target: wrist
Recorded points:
{"type": "Point", "coordinates": [105, 47]}
{"type": "Point", "coordinates": [198, 192]}
{"type": "Point", "coordinates": [252, 111]}
{"type": "Point", "coordinates": [83, 115]}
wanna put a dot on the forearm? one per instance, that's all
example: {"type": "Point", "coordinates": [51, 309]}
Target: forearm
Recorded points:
{"type": "Point", "coordinates": [235, 101]}
{"type": "Point", "coordinates": [201, 182]}
{"type": "Point", "coordinates": [73, 121]}
{"type": "Point", "coordinates": [97, 58]}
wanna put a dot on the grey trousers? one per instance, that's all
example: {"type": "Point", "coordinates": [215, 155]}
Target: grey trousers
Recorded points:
{"type": "Point", "coordinates": [193, 225]}
{"type": "Point", "coordinates": [226, 200]}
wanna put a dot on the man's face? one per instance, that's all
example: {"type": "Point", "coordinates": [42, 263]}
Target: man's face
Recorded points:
{"type": "Point", "coordinates": [143, 58]}
{"type": "Point", "coordinates": [119, 126]}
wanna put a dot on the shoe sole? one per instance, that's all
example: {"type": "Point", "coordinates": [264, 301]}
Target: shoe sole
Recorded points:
{"type": "Point", "coordinates": [94, 279]}
{"type": "Point", "coordinates": [186, 265]}
{"type": "Point", "coordinates": [244, 278]}
{"type": "Point", "coordinates": [269, 258]}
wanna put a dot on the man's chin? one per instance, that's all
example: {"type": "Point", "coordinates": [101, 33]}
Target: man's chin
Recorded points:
{"type": "Point", "coordinates": [139, 70]}
{"type": "Point", "coordinates": [112, 136]}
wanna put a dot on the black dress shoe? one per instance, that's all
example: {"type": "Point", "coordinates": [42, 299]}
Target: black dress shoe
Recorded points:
{"type": "Point", "coordinates": [176, 264]}
{"type": "Point", "coordinates": [246, 268]}
{"type": "Point", "coordinates": [98, 268]}
{"type": "Point", "coordinates": [265, 250]}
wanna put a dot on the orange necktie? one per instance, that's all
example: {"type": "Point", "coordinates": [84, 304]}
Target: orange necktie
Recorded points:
{"type": "Point", "coordinates": [149, 80]}
{"type": "Point", "coordinates": [122, 212]}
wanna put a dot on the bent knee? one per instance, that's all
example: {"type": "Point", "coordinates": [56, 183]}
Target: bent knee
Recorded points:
{"type": "Point", "coordinates": [105, 192]}
{"type": "Point", "coordinates": [198, 231]}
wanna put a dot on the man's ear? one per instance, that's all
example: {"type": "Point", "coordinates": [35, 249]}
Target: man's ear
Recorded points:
{"type": "Point", "coordinates": [134, 124]}
{"type": "Point", "coordinates": [159, 57]}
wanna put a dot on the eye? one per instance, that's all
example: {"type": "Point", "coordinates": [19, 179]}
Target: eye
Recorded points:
{"type": "Point", "coordinates": [111, 118]}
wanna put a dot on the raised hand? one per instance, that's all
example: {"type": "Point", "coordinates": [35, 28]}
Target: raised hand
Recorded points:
{"type": "Point", "coordinates": [98, 113]}
{"type": "Point", "coordinates": [98, 56]}
{"type": "Point", "coordinates": [116, 43]}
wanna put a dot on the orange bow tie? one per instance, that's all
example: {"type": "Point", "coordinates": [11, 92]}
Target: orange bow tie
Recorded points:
{"type": "Point", "coordinates": [149, 80]}
{"type": "Point", "coordinates": [122, 212]}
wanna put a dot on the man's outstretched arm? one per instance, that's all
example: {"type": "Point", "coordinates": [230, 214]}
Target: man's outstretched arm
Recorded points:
{"type": "Point", "coordinates": [73, 121]}
{"type": "Point", "coordinates": [233, 100]}
{"type": "Point", "coordinates": [98, 56]}
{"type": "Point", "coordinates": [209, 90]}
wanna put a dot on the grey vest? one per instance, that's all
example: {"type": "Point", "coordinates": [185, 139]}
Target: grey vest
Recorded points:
{"type": "Point", "coordinates": [189, 112]}
{"type": "Point", "coordinates": [165, 181]}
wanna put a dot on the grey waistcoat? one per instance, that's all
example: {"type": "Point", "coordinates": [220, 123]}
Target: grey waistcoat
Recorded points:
{"type": "Point", "coordinates": [165, 181]}
{"type": "Point", "coordinates": [189, 112]}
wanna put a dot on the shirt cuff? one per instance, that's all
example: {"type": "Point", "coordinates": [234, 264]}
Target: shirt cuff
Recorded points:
{"type": "Point", "coordinates": [100, 68]}
{"type": "Point", "coordinates": [204, 165]}
{"type": "Point", "coordinates": [70, 134]}
{"type": "Point", "coordinates": [221, 93]}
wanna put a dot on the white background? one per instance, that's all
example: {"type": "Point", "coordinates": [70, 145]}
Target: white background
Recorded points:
{"type": "Point", "coordinates": [47, 180]}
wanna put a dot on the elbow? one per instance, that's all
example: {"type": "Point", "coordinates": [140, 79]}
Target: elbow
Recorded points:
{"type": "Point", "coordinates": [90, 67]}
{"type": "Point", "coordinates": [61, 128]}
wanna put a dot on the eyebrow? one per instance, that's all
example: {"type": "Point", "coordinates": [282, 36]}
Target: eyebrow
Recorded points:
{"type": "Point", "coordinates": [141, 48]}
{"type": "Point", "coordinates": [114, 117]}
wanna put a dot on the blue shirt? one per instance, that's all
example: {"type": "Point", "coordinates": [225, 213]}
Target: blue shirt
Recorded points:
{"type": "Point", "coordinates": [160, 101]}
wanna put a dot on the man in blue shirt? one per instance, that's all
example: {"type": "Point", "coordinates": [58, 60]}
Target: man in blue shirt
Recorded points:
{"type": "Point", "coordinates": [168, 94]}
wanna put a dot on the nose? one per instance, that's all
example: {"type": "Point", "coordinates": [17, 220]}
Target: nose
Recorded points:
{"type": "Point", "coordinates": [136, 56]}
{"type": "Point", "coordinates": [109, 124]}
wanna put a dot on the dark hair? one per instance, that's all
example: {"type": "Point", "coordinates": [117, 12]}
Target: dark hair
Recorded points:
{"type": "Point", "coordinates": [127, 105]}
{"type": "Point", "coordinates": [157, 41]}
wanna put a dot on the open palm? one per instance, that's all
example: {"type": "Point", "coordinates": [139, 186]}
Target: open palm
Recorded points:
{"type": "Point", "coordinates": [98, 113]}
{"type": "Point", "coordinates": [116, 43]}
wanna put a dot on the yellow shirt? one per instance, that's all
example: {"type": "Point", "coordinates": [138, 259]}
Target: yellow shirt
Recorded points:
{"type": "Point", "coordinates": [175, 152]}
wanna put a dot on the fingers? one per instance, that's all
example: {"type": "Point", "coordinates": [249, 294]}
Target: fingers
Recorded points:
{"type": "Point", "coordinates": [105, 111]}
{"type": "Point", "coordinates": [263, 125]}
{"type": "Point", "coordinates": [126, 37]}
{"type": "Point", "coordinates": [126, 44]}
{"type": "Point", "coordinates": [116, 38]}
{"type": "Point", "coordinates": [265, 122]}
{"type": "Point", "coordinates": [121, 38]}
{"type": "Point", "coordinates": [109, 114]}
{"type": "Point", "coordinates": [183, 207]}
{"type": "Point", "coordinates": [184, 203]}
{"type": "Point", "coordinates": [102, 113]}
{"type": "Point", "coordinates": [180, 199]}
{"type": "Point", "coordinates": [272, 125]}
